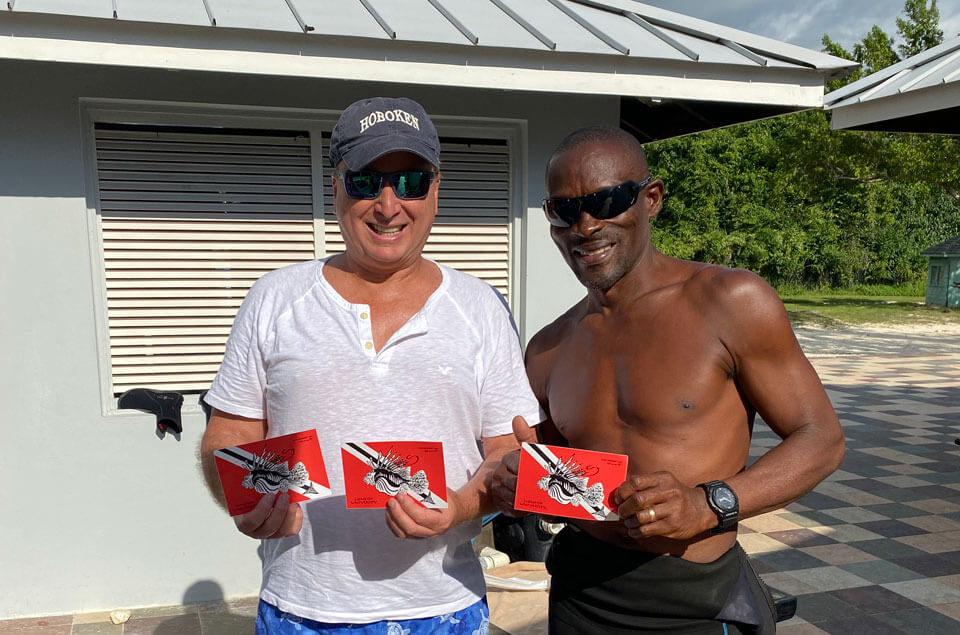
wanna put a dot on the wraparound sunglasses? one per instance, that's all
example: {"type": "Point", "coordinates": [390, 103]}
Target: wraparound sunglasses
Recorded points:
{"type": "Point", "coordinates": [602, 205]}
{"type": "Point", "coordinates": [407, 184]}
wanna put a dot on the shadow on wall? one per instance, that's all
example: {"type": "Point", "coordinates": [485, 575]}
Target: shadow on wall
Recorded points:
{"type": "Point", "coordinates": [213, 613]}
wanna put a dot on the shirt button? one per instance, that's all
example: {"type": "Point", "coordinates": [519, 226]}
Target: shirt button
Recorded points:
{"type": "Point", "coordinates": [363, 316]}
{"type": "Point", "coordinates": [368, 345]}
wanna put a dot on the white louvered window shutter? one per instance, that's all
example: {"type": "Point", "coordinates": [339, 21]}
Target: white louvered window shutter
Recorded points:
{"type": "Point", "coordinates": [190, 218]}
{"type": "Point", "coordinates": [472, 229]}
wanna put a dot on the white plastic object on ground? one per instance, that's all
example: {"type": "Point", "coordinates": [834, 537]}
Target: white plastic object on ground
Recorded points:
{"type": "Point", "coordinates": [491, 558]}
{"type": "Point", "coordinates": [514, 584]}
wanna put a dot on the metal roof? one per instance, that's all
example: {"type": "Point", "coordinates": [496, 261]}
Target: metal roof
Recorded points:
{"type": "Point", "coordinates": [611, 47]}
{"type": "Point", "coordinates": [584, 26]}
{"type": "Point", "coordinates": [947, 247]}
{"type": "Point", "coordinates": [920, 94]}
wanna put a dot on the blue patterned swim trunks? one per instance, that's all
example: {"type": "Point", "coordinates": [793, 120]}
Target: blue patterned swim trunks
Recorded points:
{"type": "Point", "coordinates": [473, 620]}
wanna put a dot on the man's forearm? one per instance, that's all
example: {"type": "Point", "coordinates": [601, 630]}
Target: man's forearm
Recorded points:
{"type": "Point", "coordinates": [211, 477]}
{"type": "Point", "coordinates": [475, 498]}
{"type": "Point", "coordinates": [788, 471]}
{"type": "Point", "coordinates": [477, 491]}
{"type": "Point", "coordinates": [223, 431]}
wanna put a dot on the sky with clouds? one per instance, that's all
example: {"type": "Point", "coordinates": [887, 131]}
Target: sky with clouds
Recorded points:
{"type": "Point", "coordinates": [803, 22]}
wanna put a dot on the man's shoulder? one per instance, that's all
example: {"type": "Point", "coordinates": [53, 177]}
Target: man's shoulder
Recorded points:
{"type": "Point", "coordinates": [553, 334]}
{"type": "Point", "coordinates": [293, 274]}
{"type": "Point", "coordinates": [461, 279]}
{"type": "Point", "coordinates": [287, 282]}
{"type": "Point", "coordinates": [728, 285]}
{"type": "Point", "coordinates": [738, 304]}
{"type": "Point", "coordinates": [462, 285]}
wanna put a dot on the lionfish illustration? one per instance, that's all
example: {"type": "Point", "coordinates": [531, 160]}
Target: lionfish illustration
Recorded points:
{"type": "Point", "coordinates": [567, 485]}
{"type": "Point", "coordinates": [390, 476]}
{"type": "Point", "coordinates": [270, 474]}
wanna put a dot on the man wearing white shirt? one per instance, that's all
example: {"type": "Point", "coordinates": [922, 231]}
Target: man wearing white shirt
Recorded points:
{"type": "Point", "coordinates": [376, 343]}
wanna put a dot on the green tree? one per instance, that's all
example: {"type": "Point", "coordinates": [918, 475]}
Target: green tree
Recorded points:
{"type": "Point", "coordinates": [799, 203]}
{"type": "Point", "coordinates": [875, 52]}
{"type": "Point", "coordinates": [920, 29]}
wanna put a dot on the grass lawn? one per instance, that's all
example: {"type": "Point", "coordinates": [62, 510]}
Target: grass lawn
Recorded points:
{"type": "Point", "coordinates": [838, 309]}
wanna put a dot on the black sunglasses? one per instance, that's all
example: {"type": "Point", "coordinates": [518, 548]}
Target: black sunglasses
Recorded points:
{"type": "Point", "coordinates": [407, 184]}
{"type": "Point", "coordinates": [602, 205]}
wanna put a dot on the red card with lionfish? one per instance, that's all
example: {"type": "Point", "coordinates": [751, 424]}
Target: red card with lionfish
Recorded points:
{"type": "Point", "coordinates": [569, 482]}
{"type": "Point", "coordinates": [291, 464]}
{"type": "Point", "coordinates": [376, 471]}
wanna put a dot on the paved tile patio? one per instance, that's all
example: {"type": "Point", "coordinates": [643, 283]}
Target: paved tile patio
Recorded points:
{"type": "Point", "coordinates": [876, 547]}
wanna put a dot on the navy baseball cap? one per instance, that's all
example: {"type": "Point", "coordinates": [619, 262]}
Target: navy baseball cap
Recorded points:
{"type": "Point", "coordinates": [371, 128]}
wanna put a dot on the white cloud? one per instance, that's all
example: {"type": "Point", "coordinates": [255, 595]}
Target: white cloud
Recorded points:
{"type": "Point", "coordinates": [791, 25]}
{"type": "Point", "coordinates": [950, 26]}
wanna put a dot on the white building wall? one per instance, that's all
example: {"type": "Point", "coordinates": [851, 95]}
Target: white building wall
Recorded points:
{"type": "Point", "coordinates": [98, 513]}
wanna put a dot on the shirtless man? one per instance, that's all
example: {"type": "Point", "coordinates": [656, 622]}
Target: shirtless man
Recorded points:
{"type": "Point", "coordinates": [666, 361]}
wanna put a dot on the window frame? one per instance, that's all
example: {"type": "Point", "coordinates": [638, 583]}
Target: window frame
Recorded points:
{"type": "Point", "coordinates": [315, 122]}
{"type": "Point", "coordinates": [936, 275]}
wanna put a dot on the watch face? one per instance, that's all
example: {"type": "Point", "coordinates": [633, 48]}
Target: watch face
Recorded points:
{"type": "Point", "coordinates": [724, 498]}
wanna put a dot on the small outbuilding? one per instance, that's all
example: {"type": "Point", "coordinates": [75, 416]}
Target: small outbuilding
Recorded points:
{"type": "Point", "coordinates": [943, 273]}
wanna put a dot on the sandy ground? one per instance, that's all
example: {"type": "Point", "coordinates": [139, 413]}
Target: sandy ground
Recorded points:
{"type": "Point", "coordinates": [879, 339]}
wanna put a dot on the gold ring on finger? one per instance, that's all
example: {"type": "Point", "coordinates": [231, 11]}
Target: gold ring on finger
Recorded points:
{"type": "Point", "coordinates": [653, 515]}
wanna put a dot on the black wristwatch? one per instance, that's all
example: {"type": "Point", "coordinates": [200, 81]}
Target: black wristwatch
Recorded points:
{"type": "Point", "coordinates": [724, 503]}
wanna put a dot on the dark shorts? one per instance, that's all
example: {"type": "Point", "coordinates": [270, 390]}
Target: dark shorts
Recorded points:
{"type": "Point", "coordinates": [597, 587]}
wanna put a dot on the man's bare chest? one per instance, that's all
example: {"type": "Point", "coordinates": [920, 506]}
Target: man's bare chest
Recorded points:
{"type": "Point", "coordinates": [638, 381]}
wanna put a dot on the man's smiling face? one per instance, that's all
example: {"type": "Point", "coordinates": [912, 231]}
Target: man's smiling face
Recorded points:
{"type": "Point", "coordinates": [601, 252]}
{"type": "Point", "coordinates": [387, 233]}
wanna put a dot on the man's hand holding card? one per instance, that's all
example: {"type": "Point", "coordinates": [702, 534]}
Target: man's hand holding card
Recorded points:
{"type": "Point", "coordinates": [290, 465]}
{"type": "Point", "coordinates": [569, 482]}
{"type": "Point", "coordinates": [407, 478]}
{"type": "Point", "coordinates": [263, 482]}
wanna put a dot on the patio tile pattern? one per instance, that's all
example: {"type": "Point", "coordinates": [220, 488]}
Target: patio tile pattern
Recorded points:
{"type": "Point", "coordinates": [888, 558]}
